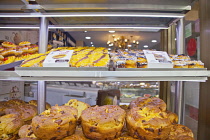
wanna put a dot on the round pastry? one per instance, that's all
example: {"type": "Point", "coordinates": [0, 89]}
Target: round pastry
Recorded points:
{"type": "Point", "coordinates": [24, 111]}
{"type": "Point", "coordinates": [125, 138]}
{"type": "Point", "coordinates": [26, 131]}
{"type": "Point", "coordinates": [146, 101]}
{"type": "Point", "coordinates": [16, 102]}
{"type": "Point", "coordinates": [24, 43]}
{"type": "Point", "coordinates": [80, 106]}
{"type": "Point", "coordinates": [34, 102]}
{"type": "Point", "coordinates": [9, 124]}
{"type": "Point", "coordinates": [180, 132]}
{"type": "Point", "coordinates": [55, 123]}
{"type": "Point", "coordinates": [8, 137]}
{"type": "Point", "coordinates": [172, 117]}
{"type": "Point", "coordinates": [103, 123]}
{"type": "Point", "coordinates": [148, 123]}
{"type": "Point", "coordinates": [7, 44]}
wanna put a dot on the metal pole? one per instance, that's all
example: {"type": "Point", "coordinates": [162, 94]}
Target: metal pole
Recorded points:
{"type": "Point", "coordinates": [43, 41]}
{"type": "Point", "coordinates": [41, 96]}
{"type": "Point", "coordinates": [179, 95]}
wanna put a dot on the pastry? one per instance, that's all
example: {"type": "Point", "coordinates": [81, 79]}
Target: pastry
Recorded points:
{"type": "Point", "coordinates": [77, 136]}
{"type": "Point", "coordinates": [172, 117]}
{"type": "Point", "coordinates": [24, 43]}
{"type": "Point", "coordinates": [148, 123]}
{"type": "Point", "coordinates": [7, 44]}
{"type": "Point", "coordinates": [180, 132]}
{"type": "Point", "coordinates": [155, 102]}
{"type": "Point", "coordinates": [26, 131]}
{"type": "Point", "coordinates": [9, 124]}
{"type": "Point", "coordinates": [34, 102]}
{"type": "Point", "coordinates": [103, 123]}
{"type": "Point", "coordinates": [55, 123]}
{"type": "Point", "coordinates": [34, 60]}
{"type": "Point", "coordinates": [80, 106]}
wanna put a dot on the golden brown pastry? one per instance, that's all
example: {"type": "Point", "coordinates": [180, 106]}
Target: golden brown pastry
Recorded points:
{"type": "Point", "coordinates": [55, 123]}
{"type": "Point", "coordinates": [24, 111]}
{"type": "Point", "coordinates": [103, 123]}
{"type": "Point", "coordinates": [146, 101]}
{"type": "Point", "coordinates": [34, 102]}
{"type": "Point", "coordinates": [180, 132]}
{"type": "Point", "coordinates": [26, 131]}
{"type": "Point", "coordinates": [9, 125]}
{"type": "Point", "coordinates": [7, 44]}
{"type": "Point", "coordinates": [148, 123]}
{"type": "Point", "coordinates": [80, 106]}
{"type": "Point", "coordinates": [172, 117]}
{"type": "Point", "coordinates": [27, 138]}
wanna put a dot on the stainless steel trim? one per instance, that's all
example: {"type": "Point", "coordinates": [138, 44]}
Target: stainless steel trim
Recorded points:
{"type": "Point", "coordinates": [41, 98]}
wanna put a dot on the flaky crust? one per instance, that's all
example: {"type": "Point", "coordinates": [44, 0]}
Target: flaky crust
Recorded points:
{"type": "Point", "coordinates": [56, 123]}
{"type": "Point", "coordinates": [148, 123]}
{"type": "Point", "coordinates": [180, 132]}
{"type": "Point", "coordinates": [103, 123]}
{"type": "Point", "coordinates": [146, 101]}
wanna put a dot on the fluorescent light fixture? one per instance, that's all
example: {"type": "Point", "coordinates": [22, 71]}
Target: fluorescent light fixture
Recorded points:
{"type": "Point", "coordinates": [104, 27]}
{"type": "Point", "coordinates": [126, 49]}
{"type": "Point", "coordinates": [95, 14]}
{"type": "Point", "coordinates": [112, 31]}
{"type": "Point", "coordinates": [91, 42]}
{"type": "Point", "coordinates": [19, 27]}
{"type": "Point", "coordinates": [129, 45]}
{"type": "Point", "coordinates": [146, 46]}
{"type": "Point", "coordinates": [85, 31]}
{"type": "Point", "coordinates": [87, 37]}
{"type": "Point", "coordinates": [154, 41]}
{"type": "Point", "coordinates": [92, 45]}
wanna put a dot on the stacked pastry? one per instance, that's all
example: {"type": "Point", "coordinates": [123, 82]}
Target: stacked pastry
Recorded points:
{"type": "Point", "coordinates": [13, 114]}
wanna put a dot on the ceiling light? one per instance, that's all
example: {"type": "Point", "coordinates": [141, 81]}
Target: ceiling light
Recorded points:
{"type": "Point", "coordinates": [109, 49]}
{"type": "Point", "coordinates": [126, 49]}
{"type": "Point", "coordinates": [146, 46]}
{"type": "Point", "coordinates": [112, 31]}
{"type": "Point", "coordinates": [92, 45]}
{"type": "Point", "coordinates": [85, 31]}
{"type": "Point", "coordinates": [175, 39]}
{"type": "Point", "coordinates": [87, 37]}
{"type": "Point", "coordinates": [91, 42]}
{"type": "Point", "coordinates": [154, 41]}
{"type": "Point", "coordinates": [137, 42]}
{"type": "Point", "coordinates": [129, 45]}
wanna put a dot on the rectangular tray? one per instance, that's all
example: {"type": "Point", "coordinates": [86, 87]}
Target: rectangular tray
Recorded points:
{"type": "Point", "coordinates": [10, 65]}
{"type": "Point", "coordinates": [160, 69]}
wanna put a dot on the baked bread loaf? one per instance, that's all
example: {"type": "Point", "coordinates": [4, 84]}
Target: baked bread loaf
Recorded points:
{"type": "Point", "coordinates": [80, 106]}
{"type": "Point", "coordinates": [148, 123]}
{"type": "Point", "coordinates": [103, 123]}
{"type": "Point", "coordinates": [180, 132]}
{"type": "Point", "coordinates": [146, 101]}
{"type": "Point", "coordinates": [26, 131]}
{"type": "Point", "coordinates": [9, 125]}
{"type": "Point", "coordinates": [55, 123]}
{"type": "Point", "coordinates": [34, 102]}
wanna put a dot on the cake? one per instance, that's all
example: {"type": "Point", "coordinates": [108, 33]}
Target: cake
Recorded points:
{"type": "Point", "coordinates": [80, 106]}
{"type": "Point", "coordinates": [9, 125]}
{"type": "Point", "coordinates": [148, 123]}
{"type": "Point", "coordinates": [103, 123]}
{"type": "Point", "coordinates": [26, 131]}
{"type": "Point", "coordinates": [146, 101]}
{"type": "Point", "coordinates": [55, 123]}
{"type": "Point", "coordinates": [34, 102]}
{"type": "Point", "coordinates": [180, 132]}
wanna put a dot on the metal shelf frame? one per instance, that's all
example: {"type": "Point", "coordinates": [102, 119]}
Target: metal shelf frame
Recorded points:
{"type": "Point", "coordinates": [43, 75]}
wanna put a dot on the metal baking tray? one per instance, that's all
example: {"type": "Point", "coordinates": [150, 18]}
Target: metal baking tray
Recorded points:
{"type": "Point", "coordinates": [160, 69]}
{"type": "Point", "coordinates": [10, 65]}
